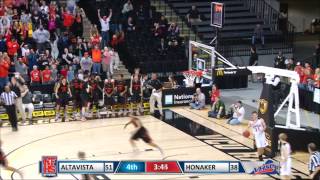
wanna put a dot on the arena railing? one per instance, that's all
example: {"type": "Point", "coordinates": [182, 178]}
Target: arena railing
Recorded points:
{"type": "Point", "coordinates": [271, 17]}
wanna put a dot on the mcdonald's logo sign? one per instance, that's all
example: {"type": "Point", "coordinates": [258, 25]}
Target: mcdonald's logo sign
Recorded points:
{"type": "Point", "coordinates": [219, 72]}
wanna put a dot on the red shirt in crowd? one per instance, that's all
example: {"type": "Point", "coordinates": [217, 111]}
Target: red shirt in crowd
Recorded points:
{"type": "Point", "coordinates": [67, 19]}
{"type": "Point", "coordinates": [64, 72]}
{"type": "Point", "coordinates": [35, 75]}
{"type": "Point", "coordinates": [215, 94]}
{"type": "Point", "coordinates": [4, 68]}
{"type": "Point", "coordinates": [12, 47]}
{"type": "Point", "coordinates": [46, 75]}
{"type": "Point", "coordinates": [96, 55]}
{"type": "Point", "coordinates": [307, 75]}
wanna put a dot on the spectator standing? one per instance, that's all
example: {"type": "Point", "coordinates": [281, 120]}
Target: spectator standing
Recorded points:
{"type": "Point", "coordinates": [314, 161]}
{"type": "Point", "coordinates": [258, 34]}
{"type": "Point", "coordinates": [106, 59]}
{"type": "Point", "coordinates": [54, 73]}
{"type": "Point", "coordinates": [307, 73]}
{"type": "Point", "coordinates": [70, 74]}
{"type": "Point", "coordinates": [238, 113]}
{"type": "Point", "coordinates": [8, 98]}
{"type": "Point", "coordinates": [12, 47]}
{"type": "Point", "coordinates": [4, 71]}
{"type": "Point", "coordinates": [54, 47]}
{"type": "Point", "coordinates": [68, 19]}
{"type": "Point", "coordinates": [279, 61]}
{"type": "Point", "coordinates": [41, 37]}
{"type": "Point", "coordinates": [86, 62]}
{"type": "Point", "coordinates": [78, 23]}
{"type": "Point", "coordinates": [96, 59]}
{"type": "Point", "coordinates": [35, 76]}
{"type": "Point", "coordinates": [21, 68]}
{"type": "Point", "coordinates": [27, 99]}
{"type": "Point", "coordinates": [127, 8]}
{"type": "Point", "coordinates": [193, 15]}
{"type": "Point", "coordinates": [46, 76]}
{"type": "Point", "coordinates": [253, 61]}
{"type": "Point", "coordinates": [32, 59]}
{"type": "Point", "coordinates": [105, 26]}
{"type": "Point", "coordinates": [198, 100]}
{"type": "Point", "coordinates": [300, 70]}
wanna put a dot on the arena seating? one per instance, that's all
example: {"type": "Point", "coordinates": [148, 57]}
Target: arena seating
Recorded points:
{"type": "Point", "coordinates": [239, 25]}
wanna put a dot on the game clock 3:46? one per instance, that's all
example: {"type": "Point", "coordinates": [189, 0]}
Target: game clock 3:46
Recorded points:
{"type": "Point", "coordinates": [162, 167]}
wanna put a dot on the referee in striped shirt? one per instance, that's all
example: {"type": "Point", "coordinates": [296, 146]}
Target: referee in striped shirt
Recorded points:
{"type": "Point", "coordinates": [314, 161]}
{"type": "Point", "coordinates": [8, 98]}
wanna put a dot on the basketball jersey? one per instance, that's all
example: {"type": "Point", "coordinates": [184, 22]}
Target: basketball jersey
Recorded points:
{"type": "Point", "coordinates": [287, 147]}
{"type": "Point", "coordinates": [93, 85]}
{"type": "Point", "coordinates": [108, 88]}
{"type": "Point", "coordinates": [257, 128]}
{"type": "Point", "coordinates": [77, 85]}
{"type": "Point", "coordinates": [136, 87]}
{"type": "Point", "coordinates": [120, 86]}
{"type": "Point", "coordinates": [85, 87]}
{"type": "Point", "coordinates": [63, 89]}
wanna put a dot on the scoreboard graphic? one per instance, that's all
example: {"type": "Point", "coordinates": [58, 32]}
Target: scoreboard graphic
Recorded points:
{"type": "Point", "coordinates": [50, 166]}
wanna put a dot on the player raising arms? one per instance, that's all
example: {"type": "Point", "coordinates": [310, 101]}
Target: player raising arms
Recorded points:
{"type": "Point", "coordinates": [62, 92]}
{"type": "Point", "coordinates": [108, 94]}
{"type": "Point", "coordinates": [4, 163]}
{"type": "Point", "coordinates": [76, 86]}
{"type": "Point", "coordinates": [258, 128]}
{"type": "Point", "coordinates": [95, 91]}
{"type": "Point", "coordinates": [121, 93]}
{"type": "Point", "coordinates": [136, 92]}
{"type": "Point", "coordinates": [140, 133]}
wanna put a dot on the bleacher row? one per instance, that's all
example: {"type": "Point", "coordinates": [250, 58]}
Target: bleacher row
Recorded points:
{"type": "Point", "coordinates": [142, 51]}
{"type": "Point", "coordinates": [238, 27]}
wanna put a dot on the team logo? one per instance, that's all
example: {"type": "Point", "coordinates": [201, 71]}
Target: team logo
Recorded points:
{"type": "Point", "coordinates": [263, 106]}
{"type": "Point", "coordinates": [219, 72]}
{"type": "Point", "coordinates": [267, 168]}
{"type": "Point", "coordinates": [48, 166]}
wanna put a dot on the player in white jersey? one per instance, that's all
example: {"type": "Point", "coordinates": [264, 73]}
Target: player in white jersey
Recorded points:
{"type": "Point", "coordinates": [258, 129]}
{"type": "Point", "coordinates": [285, 159]}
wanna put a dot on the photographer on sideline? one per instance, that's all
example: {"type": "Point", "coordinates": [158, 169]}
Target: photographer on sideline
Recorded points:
{"type": "Point", "coordinates": [198, 100]}
{"type": "Point", "coordinates": [238, 113]}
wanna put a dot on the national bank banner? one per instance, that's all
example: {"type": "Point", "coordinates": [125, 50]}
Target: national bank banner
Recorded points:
{"type": "Point", "coordinates": [182, 96]}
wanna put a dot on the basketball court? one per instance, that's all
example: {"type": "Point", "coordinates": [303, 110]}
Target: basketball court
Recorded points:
{"type": "Point", "coordinates": [193, 138]}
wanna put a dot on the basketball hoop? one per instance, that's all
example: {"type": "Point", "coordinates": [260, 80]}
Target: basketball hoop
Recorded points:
{"type": "Point", "coordinates": [190, 76]}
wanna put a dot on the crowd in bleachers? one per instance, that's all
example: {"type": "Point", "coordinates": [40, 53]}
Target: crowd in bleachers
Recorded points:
{"type": "Point", "coordinates": [309, 73]}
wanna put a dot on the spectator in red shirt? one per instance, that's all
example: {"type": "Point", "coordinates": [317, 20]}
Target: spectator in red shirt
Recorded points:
{"type": "Point", "coordinates": [64, 71]}
{"type": "Point", "coordinates": [215, 92]}
{"type": "Point", "coordinates": [4, 71]}
{"type": "Point", "coordinates": [12, 47]}
{"type": "Point", "coordinates": [68, 19]}
{"type": "Point", "coordinates": [35, 76]}
{"type": "Point", "coordinates": [96, 59]}
{"type": "Point", "coordinates": [46, 76]}
{"type": "Point", "coordinates": [308, 73]}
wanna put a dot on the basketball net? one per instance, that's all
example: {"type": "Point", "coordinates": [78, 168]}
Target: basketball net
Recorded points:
{"type": "Point", "coordinates": [190, 76]}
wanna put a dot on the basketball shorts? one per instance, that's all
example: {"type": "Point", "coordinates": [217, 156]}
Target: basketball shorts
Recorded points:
{"type": "Point", "coordinates": [260, 140]}
{"type": "Point", "coordinates": [142, 133]}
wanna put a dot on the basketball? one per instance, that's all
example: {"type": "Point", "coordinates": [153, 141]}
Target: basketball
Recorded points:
{"type": "Point", "coordinates": [246, 133]}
